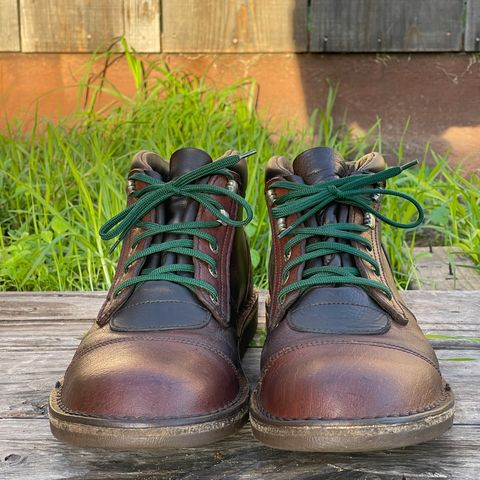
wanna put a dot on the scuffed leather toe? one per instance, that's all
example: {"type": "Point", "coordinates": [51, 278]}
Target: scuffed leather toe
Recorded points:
{"type": "Point", "coordinates": [150, 378]}
{"type": "Point", "coordinates": [347, 381]}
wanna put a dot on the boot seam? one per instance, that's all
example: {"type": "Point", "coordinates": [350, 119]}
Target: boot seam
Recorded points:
{"type": "Point", "coordinates": [292, 348]}
{"type": "Point", "coordinates": [65, 409]}
{"type": "Point", "coordinates": [243, 384]}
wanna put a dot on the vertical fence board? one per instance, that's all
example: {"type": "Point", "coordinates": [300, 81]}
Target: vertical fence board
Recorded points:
{"type": "Point", "coordinates": [386, 25]}
{"type": "Point", "coordinates": [472, 27]}
{"type": "Point", "coordinates": [9, 32]}
{"type": "Point", "coordinates": [88, 25]}
{"type": "Point", "coordinates": [142, 24]}
{"type": "Point", "coordinates": [234, 26]}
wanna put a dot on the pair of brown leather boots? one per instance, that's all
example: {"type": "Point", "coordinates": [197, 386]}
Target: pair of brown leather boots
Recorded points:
{"type": "Point", "coordinates": [344, 368]}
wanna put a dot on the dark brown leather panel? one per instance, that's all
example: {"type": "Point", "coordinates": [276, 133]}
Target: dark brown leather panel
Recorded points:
{"type": "Point", "coordinates": [241, 288]}
{"type": "Point", "coordinates": [224, 235]}
{"type": "Point", "coordinates": [341, 310]}
{"type": "Point", "coordinates": [160, 305]}
{"type": "Point", "coordinates": [278, 260]}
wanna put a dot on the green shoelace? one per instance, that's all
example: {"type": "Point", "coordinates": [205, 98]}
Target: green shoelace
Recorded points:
{"type": "Point", "coordinates": [158, 192]}
{"type": "Point", "coordinates": [357, 190]}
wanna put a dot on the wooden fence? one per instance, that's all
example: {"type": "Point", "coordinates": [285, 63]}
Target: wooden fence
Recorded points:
{"type": "Point", "coordinates": [241, 25]}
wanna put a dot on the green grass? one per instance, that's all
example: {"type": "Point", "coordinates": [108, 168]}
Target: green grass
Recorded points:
{"type": "Point", "coordinates": [60, 181]}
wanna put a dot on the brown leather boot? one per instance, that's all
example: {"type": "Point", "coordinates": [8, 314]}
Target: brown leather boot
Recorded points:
{"type": "Point", "coordinates": [345, 366]}
{"type": "Point", "coordinates": [160, 367]}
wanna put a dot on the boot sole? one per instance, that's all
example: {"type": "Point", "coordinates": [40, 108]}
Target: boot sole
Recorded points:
{"type": "Point", "coordinates": [345, 436]}
{"type": "Point", "coordinates": [123, 435]}
{"type": "Point", "coordinates": [132, 434]}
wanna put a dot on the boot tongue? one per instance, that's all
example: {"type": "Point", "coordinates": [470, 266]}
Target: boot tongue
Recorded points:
{"type": "Point", "coordinates": [178, 209]}
{"type": "Point", "coordinates": [183, 209]}
{"type": "Point", "coordinates": [187, 159]}
{"type": "Point", "coordinates": [316, 166]}
{"type": "Point", "coordinates": [319, 164]}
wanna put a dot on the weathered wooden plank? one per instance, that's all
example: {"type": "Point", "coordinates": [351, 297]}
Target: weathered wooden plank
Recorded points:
{"type": "Point", "coordinates": [451, 313]}
{"type": "Point", "coordinates": [386, 25]}
{"type": "Point", "coordinates": [234, 26]}
{"type": "Point", "coordinates": [73, 26]}
{"type": "Point", "coordinates": [443, 268]}
{"type": "Point", "coordinates": [41, 306]}
{"type": "Point", "coordinates": [34, 354]}
{"type": "Point", "coordinates": [472, 26]}
{"type": "Point", "coordinates": [29, 375]}
{"type": "Point", "coordinates": [445, 314]}
{"type": "Point", "coordinates": [142, 24]}
{"type": "Point", "coordinates": [9, 28]}
{"type": "Point", "coordinates": [85, 26]}
{"type": "Point", "coordinates": [27, 450]}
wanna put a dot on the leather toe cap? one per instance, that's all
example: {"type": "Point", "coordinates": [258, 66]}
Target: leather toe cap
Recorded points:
{"type": "Point", "coordinates": [348, 381]}
{"type": "Point", "coordinates": [150, 379]}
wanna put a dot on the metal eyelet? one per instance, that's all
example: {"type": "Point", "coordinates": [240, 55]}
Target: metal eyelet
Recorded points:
{"type": "Point", "coordinates": [213, 271]}
{"type": "Point", "coordinates": [225, 213]}
{"type": "Point", "coordinates": [369, 220]}
{"type": "Point", "coordinates": [214, 299]}
{"type": "Point", "coordinates": [281, 300]}
{"type": "Point", "coordinates": [375, 197]}
{"type": "Point", "coordinates": [286, 256]}
{"type": "Point", "coordinates": [214, 249]}
{"type": "Point", "coordinates": [271, 196]}
{"type": "Point", "coordinates": [232, 185]}
{"type": "Point", "coordinates": [131, 187]}
{"type": "Point", "coordinates": [281, 224]}
{"type": "Point", "coordinates": [285, 279]}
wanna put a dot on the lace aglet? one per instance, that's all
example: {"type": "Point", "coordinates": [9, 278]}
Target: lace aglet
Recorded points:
{"type": "Point", "coordinates": [247, 154]}
{"type": "Point", "coordinates": [408, 165]}
{"type": "Point", "coordinates": [114, 246]}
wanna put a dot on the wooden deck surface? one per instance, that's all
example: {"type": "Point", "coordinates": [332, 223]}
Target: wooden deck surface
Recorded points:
{"type": "Point", "coordinates": [40, 331]}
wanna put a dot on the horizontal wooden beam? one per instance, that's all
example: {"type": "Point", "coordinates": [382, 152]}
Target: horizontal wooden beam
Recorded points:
{"type": "Point", "coordinates": [9, 28]}
{"type": "Point", "coordinates": [234, 26]}
{"type": "Point", "coordinates": [386, 25]}
{"type": "Point", "coordinates": [59, 26]}
{"type": "Point", "coordinates": [87, 26]}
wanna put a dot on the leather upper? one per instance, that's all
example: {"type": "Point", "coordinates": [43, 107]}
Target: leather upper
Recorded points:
{"type": "Point", "coordinates": [160, 350]}
{"type": "Point", "coordinates": [339, 351]}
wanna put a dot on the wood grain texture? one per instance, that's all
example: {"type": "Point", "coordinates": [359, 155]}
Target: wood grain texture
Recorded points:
{"type": "Point", "coordinates": [234, 26]}
{"type": "Point", "coordinates": [142, 24]}
{"type": "Point", "coordinates": [89, 25]}
{"type": "Point", "coordinates": [39, 333]}
{"type": "Point", "coordinates": [443, 268]}
{"type": "Point", "coordinates": [386, 25]}
{"type": "Point", "coordinates": [448, 314]}
{"type": "Point", "coordinates": [32, 370]}
{"type": "Point", "coordinates": [472, 26]}
{"type": "Point", "coordinates": [28, 451]}
{"type": "Point", "coordinates": [9, 27]}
